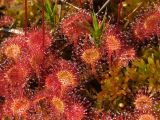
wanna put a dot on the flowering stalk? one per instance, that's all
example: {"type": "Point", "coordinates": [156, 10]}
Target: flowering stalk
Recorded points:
{"type": "Point", "coordinates": [25, 29]}
{"type": "Point", "coordinates": [119, 11]}
{"type": "Point", "coordinates": [43, 27]}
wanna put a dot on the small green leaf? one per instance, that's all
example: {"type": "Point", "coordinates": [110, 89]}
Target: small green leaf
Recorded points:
{"type": "Point", "coordinates": [95, 22]}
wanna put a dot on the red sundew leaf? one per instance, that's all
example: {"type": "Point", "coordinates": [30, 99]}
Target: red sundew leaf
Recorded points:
{"type": "Point", "coordinates": [112, 39]}
{"type": "Point", "coordinates": [145, 116]}
{"type": "Point", "coordinates": [78, 107]}
{"type": "Point", "coordinates": [76, 112]}
{"type": "Point", "coordinates": [59, 106]}
{"type": "Point", "coordinates": [147, 25]}
{"type": "Point", "coordinates": [14, 91]}
{"type": "Point", "coordinates": [15, 48]}
{"type": "Point", "coordinates": [64, 76]}
{"type": "Point", "coordinates": [145, 105]}
{"type": "Point", "coordinates": [87, 52]}
{"type": "Point", "coordinates": [126, 55]}
{"type": "Point", "coordinates": [74, 26]}
{"type": "Point", "coordinates": [112, 42]}
{"type": "Point", "coordinates": [139, 31]}
{"type": "Point", "coordinates": [53, 85]}
{"type": "Point", "coordinates": [143, 102]}
{"type": "Point", "coordinates": [17, 74]}
{"type": "Point", "coordinates": [90, 55]}
{"type": "Point", "coordinates": [152, 23]}
{"type": "Point", "coordinates": [16, 107]}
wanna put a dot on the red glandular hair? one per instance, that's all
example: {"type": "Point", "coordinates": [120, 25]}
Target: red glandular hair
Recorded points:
{"type": "Point", "coordinates": [74, 26]}
{"type": "Point", "coordinates": [15, 48]}
{"type": "Point", "coordinates": [63, 77]}
{"type": "Point", "coordinates": [147, 26]}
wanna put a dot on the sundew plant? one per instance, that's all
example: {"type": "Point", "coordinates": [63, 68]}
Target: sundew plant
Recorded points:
{"type": "Point", "coordinates": [79, 60]}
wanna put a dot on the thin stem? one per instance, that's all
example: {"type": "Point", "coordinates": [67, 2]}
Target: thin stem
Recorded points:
{"type": "Point", "coordinates": [130, 14]}
{"type": "Point", "coordinates": [105, 4]}
{"type": "Point", "coordinates": [26, 18]}
{"type": "Point", "coordinates": [43, 27]}
{"type": "Point", "coordinates": [119, 11]}
{"type": "Point", "coordinates": [73, 5]}
{"type": "Point", "coordinates": [70, 5]}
